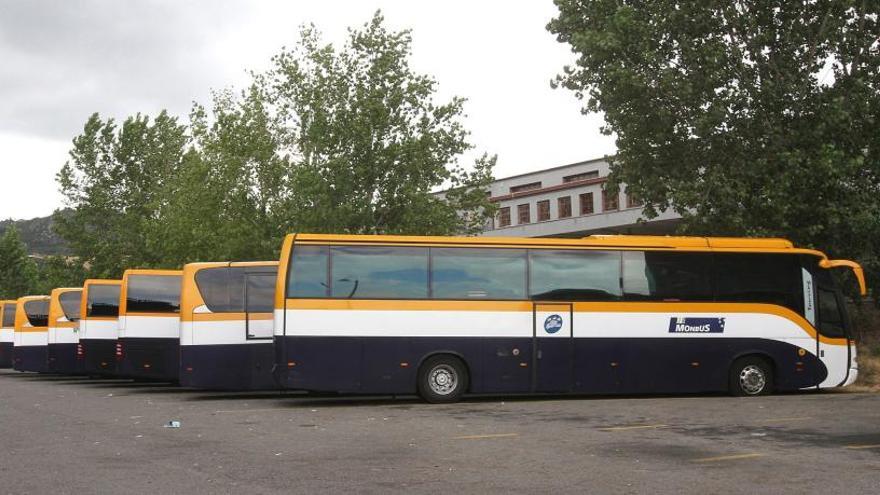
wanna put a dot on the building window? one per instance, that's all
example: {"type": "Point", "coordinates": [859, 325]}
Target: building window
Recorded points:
{"type": "Point", "coordinates": [525, 187]}
{"type": "Point", "coordinates": [564, 205]}
{"type": "Point", "coordinates": [504, 217]}
{"type": "Point", "coordinates": [633, 201]}
{"type": "Point", "coordinates": [610, 201]}
{"type": "Point", "coordinates": [543, 210]}
{"type": "Point", "coordinates": [523, 214]}
{"type": "Point", "coordinates": [593, 174]}
{"type": "Point", "coordinates": [586, 200]}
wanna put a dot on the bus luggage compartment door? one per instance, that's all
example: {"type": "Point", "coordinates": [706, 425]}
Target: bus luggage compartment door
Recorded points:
{"type": "Point", "coordinates": [553, 347]}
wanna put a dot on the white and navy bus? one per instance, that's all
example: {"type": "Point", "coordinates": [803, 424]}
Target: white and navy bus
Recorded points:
{"type": "Point", "coordinates": [64, 308]}
{"type": "Point", "coordinates": [99, 327]}
{"type": "Point", "coordinates": [7, 332]}
{"type": "Point", "coordinates": [149, 325]}
{"type": "Point", "coordinates": [444, 316]}
{"type": "Point", "coordinates": [31, 347]}
{"type": "Point", "coordinates": [226, 325]}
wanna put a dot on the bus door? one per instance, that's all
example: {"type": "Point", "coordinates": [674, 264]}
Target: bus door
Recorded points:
{"type": "Point", "coordinates": [553, 347]}
{"type": "Point", "coordinates": [834, 350]}
{"type": "Point", "coordinates": [259, 297]}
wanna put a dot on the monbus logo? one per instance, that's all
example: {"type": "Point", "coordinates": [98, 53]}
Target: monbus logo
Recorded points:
{"type": "Point", "coordinates": [696, 325]}
{"type": "Point", "coordinates": [553, 323]}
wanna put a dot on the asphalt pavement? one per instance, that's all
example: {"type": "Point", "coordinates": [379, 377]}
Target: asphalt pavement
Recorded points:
{"type": "Point", "coordinates": [76, 435]}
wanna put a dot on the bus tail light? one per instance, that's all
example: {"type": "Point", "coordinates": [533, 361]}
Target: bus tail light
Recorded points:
{"type": "Point", "coordinates": [120, 351]}
{"type": "Point", "coordinates": [80, 352]}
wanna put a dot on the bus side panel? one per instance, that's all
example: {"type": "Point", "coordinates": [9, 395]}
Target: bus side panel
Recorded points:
{"type": "Point", "coordinates": [328, 364]}
{"type": "Point", "coordinates": [6, 340]}
{"type": "Point", "coordinates": [62, 358]}
{"type": "Point", "coordinates": [228, 366]}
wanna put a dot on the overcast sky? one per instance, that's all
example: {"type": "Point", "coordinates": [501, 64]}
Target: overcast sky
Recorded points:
{"type": "Point", "coordinates": [62, 60]}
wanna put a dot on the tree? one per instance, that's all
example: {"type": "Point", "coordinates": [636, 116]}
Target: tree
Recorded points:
{"type": "Point", "coordinates": [746, 117]}
{"type": "Point", "coordinates": [113, 185]}
{"type": "Point", "coordinates": [225, 205]}
{"type": "Point", "coordinates": [367, 142]}
{"type": "Point", "coordinates": [58, 271]}
{"type": "Point", "coordinates": [17, 270]}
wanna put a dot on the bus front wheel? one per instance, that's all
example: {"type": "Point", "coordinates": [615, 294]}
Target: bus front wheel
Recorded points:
{"type": "Point", "coordinates": [442, 378]}
{"type": "Point", "coordinates": [751, 375]}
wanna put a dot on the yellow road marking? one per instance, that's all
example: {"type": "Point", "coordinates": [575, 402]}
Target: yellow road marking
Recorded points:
{"type": "Point", "coordinates": [249, 410]}
{"type": "Point", "coordinates": [631, 427]}
{"type": "Point", "coordinates": [860, 447]}
{"type": "Point", "coordinates": [733, 457]}
{"type": "Point", "coordinates": [779, 420]}
{"type": "Point", "coordinates": [491, 435]}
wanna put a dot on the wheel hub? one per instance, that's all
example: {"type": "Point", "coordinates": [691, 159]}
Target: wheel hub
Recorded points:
{"type": "Point", "coordinates": [443, 380]}
{"type": "Point", "coordinates": [752, 379]}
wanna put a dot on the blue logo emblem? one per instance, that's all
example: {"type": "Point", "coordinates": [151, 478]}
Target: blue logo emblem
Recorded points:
{"type": "Point", "coordinates": [553, 323]}
{"type": "Point", "coordinates": [696, 325]}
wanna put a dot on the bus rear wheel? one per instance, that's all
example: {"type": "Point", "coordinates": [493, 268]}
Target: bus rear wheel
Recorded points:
{"type": "Point", "coordinates": [751, 375]}
{"type": "Point", "coordinates": [442, 378]}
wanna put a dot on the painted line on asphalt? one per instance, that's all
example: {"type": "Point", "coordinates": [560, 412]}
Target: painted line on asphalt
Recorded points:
{"type": "Point", "coordinates": [862, 447]}
{"type": "Point", "coordinates": [490, 435]}
{"type": "Point", "coordinates": [782, 420]}
{"type": "Point", "coordinates": [250, 410]}
{"type": "Point", "coordinates": [631, 427]}
{"type": "Point", "coordinates": [733, 457]}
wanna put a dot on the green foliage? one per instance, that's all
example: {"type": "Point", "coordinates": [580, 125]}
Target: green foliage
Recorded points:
{"type": "Point", "coordinates": [746, 117]}
{"type": "Point", "coordinates": [58, 271]}
{"type": "Point", "coordinates": [367, 141]}
{"type": "Point", "coordinates": [17, 270]}
{"type": "Point", "coordinates": [113, 185]}
{"type": "Point", "coordinates": [347, 141]}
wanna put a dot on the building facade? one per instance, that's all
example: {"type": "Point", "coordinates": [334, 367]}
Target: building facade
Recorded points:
{"type": "Point", "coordinates": [569, 201]}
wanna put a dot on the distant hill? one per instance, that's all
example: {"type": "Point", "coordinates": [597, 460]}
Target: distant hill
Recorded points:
{"type": "Point", "coordinates": [38, 235]}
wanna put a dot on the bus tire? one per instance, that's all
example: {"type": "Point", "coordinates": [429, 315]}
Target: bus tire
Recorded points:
{"type": "Point", "coordinates": [751, 376]}
{"type": "Point", "coordinates": [442, 378]}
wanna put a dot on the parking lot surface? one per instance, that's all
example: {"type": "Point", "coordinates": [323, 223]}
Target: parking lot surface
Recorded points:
{"type": "Point", "coordinates": [75, 435]}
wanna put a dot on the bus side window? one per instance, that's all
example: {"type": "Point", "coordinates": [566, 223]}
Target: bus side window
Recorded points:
{"type": "Point", "coordinates": [830, 317]}
{"type": "Point", "coordinates": [663, 276]}
{"type": "Point", "coordinates": [569, 275]}
{"type": "Point", "coordinates": [70, 304]}
{"type": "Point", "coordinates": [759, 278]}
{"type": "Point", "coordinates": [309, 272]}
{"type": "Point", "coordinates": [213, 285]}
{"type": "Point", "coordinates": [478, 273]}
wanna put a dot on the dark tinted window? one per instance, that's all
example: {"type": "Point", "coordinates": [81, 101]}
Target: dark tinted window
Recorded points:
{"type": "Point", "coordinates": [223, 289]}
{"type": "Point", "coordinates": [475, 273]}
{"type": "Point", "coordinates": [830, 317]}
{"type": "Point", "coordinates": [660, 275]}
{"type": "Point", "coordinates": [574, 275]}
{"type": "Point", "coordinates": [213, 285]}
{"type": "Point", "coordinates": [37, 312]}
{"type": "Point", "coordinates": [260, 292]}
{"type": "Point", "coordinates": [103, 300]}
{"type": "Point", "coordinates": [308, 272]}
{"type": "Point", "coordinates": [70, 304]}
{"type": "Point", "coordinates": [379, 272]}
{"type": "Point", "coordinates": [759, 278]}
{"type": "Point", "coordinates": [153, 294]}
{"type": "Point", "coordinates": [9, 315]}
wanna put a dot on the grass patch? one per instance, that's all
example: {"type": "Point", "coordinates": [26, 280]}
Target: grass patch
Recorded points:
{"type": "Point", "coordinates": [869, 368]}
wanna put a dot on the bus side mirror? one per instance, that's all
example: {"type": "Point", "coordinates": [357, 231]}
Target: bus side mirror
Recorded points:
{"type": "Point", "coordinates": [856, 268]}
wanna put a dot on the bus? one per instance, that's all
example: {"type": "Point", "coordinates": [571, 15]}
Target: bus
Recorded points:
{"type": "Point", "coordinates": [99, 326]}
{"type": "Point", "coordinates": [226, 325]}
{"type": "Point", "coordinates": [30, 349]}
{"type": "Point", "coordinates": [64, 308]}
{"type": "Point", "coordinates": [7, 331]}
{"type": "Point", "coordinates": [149, 325]}
{"type": "Point", "coordinates": [445, 316]}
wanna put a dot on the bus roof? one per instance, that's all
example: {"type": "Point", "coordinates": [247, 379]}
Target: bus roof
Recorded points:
{"type": "Point", "coordinates": [623, 241]}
